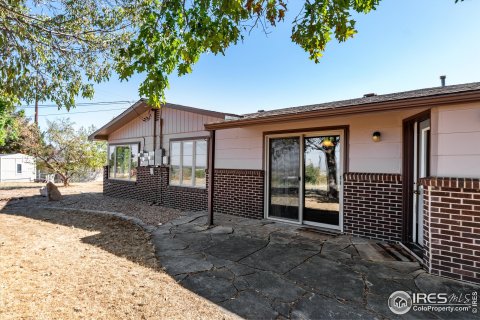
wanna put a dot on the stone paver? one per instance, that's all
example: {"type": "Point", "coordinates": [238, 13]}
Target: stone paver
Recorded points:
{"type": "Point", "coordinates": [259, 269]}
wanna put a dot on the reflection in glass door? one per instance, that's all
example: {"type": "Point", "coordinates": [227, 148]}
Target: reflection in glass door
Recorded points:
{"type": "Point", "coordinates": [284, 178]}
{"type": "Point", "coordinates": [322, 174]}
{"type": "Point", "coordinates": [304, 173]}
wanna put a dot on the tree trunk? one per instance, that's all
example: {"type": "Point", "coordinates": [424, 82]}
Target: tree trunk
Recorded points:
{"type": "Point", "coordinates": [331, 174]}
{"type": "Point", "coordinates": [64, 179]}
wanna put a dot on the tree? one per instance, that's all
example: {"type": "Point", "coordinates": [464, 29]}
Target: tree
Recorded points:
{"type": "Point", "coordinates": [170, 36]}
{"type": "Point", "coordinates": [66, 151]}
{"type": "Point", "coordinates": [56, 50]}
{"type": "Point", "coordinates": [328, 146]}
{"type": "Point", "coordinates": [15, 128]}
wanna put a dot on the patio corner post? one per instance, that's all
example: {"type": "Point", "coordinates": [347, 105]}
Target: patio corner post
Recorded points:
{"type": "Point", "coordinates": [211, 176]}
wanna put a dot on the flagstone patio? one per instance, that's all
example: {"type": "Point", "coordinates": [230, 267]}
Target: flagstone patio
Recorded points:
{"type": "Point", "coordinates": [260, 269]}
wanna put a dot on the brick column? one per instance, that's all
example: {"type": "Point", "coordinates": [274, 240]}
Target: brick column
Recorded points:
{"type": "Point", "coordinates": [372, 205]}
{"type": "Point", "coordinates": [452, 227]}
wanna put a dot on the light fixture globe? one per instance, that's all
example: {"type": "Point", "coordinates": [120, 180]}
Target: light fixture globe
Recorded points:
{"type": "Point", "coordinates": [376, 137]}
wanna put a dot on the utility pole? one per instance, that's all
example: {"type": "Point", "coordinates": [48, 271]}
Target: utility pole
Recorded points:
{"type": "Point", "coordinates": [36, 108]}
{"type": "Point", "coordinates": [36, 94]}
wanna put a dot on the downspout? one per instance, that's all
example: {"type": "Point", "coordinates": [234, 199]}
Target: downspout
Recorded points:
{"type": "Point", "coordinates": [160, 138]}
{"type": "Point", "coordinates": [211, 176]}
{"type": "Point", "coordinates": [155, 129]}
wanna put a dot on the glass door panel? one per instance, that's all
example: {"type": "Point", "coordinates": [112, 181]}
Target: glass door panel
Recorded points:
{"type": "Point", "coordinates": [284, 178]}
{"type": "Point", "coordinates": [322, 173]}
{"type": "Point", "coordinates": [422, 171]}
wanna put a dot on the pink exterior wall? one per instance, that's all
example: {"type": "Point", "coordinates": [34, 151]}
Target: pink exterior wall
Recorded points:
{"type": "Point", "coordinates": [242, 148]}
{"type": "Point", "coordinates": [456, 141]}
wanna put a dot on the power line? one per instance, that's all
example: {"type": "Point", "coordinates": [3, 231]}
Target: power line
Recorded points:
{"type": "Point", "coordinates": [68, 113]}
{"type": "Point", "coordinates": [99, 103]}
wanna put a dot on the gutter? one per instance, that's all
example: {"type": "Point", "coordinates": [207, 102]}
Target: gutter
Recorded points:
{"type": "Point", "coordinates": [430, 101]}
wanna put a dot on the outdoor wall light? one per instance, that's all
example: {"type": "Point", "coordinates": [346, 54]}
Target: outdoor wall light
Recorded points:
{"type": "Point", "coordinates": [376, 137]}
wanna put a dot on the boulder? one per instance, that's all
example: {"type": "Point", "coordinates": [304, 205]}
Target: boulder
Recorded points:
{"type": "Point", "coordinates": [44, 192]}
{"type": "Point", "coordinates": [53, 192]}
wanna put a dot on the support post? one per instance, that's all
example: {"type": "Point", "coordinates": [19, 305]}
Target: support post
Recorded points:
{"type": "Point", "coordinates": [211, 176]}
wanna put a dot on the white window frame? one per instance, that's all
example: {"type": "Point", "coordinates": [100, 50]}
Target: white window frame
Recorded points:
{"type": "Point", "coordinates": [21, 168]}
{"type": "Point", "coordinates": [194, 163]}
{"type": "Point", "coordinates": [134, 179]}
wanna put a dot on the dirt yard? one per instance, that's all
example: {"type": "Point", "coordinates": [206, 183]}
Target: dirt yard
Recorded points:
{"type": "Point", "coordinates": [18, 196]}
{"type": "Point", "coordinates": [73, 265]}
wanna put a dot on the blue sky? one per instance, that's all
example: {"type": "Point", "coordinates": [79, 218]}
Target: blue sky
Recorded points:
{"type": "Point", "coordinates": [403, 45]}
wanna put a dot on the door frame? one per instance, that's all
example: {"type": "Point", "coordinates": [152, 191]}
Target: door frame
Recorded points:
{"type": "Point", "coordinates": [409, 166]}
{"type": "Point", "coordinates": [342, 131]}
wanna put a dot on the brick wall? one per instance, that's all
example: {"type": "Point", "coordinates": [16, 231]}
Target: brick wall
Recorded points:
{"type": "Point", "coordinates": [452, 227]}
{"type": "Point", "coordinates": [372, 205]}
{"type": "Point", "coordinates": [156, 189]}
{"type": "Point", "coordinates": [239, 192]}
{"type": "Point", "coordinates": [146, 188]}
{"type": "Point", "coordinates": [183, 198]}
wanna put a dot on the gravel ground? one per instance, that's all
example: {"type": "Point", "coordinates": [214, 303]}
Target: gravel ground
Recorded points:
{"type": "Point", "coordinates": [19, 196]}
{"type": "Point", "coordinates": [73, 265]}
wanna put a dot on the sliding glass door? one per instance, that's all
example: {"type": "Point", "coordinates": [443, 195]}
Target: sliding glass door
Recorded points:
{"type": "Point", "coordinates": [322, 178]}
{"type": "Point", "coordinates": [304, 173]}
{"type": "Point", "coordinates": [284, 178]}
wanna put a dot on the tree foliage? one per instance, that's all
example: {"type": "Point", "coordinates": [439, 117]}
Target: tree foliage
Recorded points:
{"type": "Point", "coordinates": [57, 49]}
{"type": "Point", "coordinates": [66, 151]}
{"type": "Point", "coordinates": [14, 128]}
{"type": "Point", "coordinates": [170, 36]}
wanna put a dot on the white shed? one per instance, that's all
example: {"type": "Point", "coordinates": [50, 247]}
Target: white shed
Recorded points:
{"type": "Point", "coordinates": [17, 167]}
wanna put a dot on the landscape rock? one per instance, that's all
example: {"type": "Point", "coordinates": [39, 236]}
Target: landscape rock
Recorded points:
{"type": "Point", "coordinates": [52, 192]}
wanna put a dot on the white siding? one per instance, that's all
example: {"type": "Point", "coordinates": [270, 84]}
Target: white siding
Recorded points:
{"type": "Point", "coordinates": [176, 124]}
{"type": "Point", "coordinates": [8, 168]}
{"type": "Point", "coordinates": [181, 124]}
{"type": "Point", "coordinates": [242, 148]}
{"type": "Point", "coordinates": [138, 130]}
{"type": "Point", "coordinates": [456, 141]}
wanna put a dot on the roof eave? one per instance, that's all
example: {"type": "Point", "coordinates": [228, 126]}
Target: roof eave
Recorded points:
{"type": "Point", "coordinates": [429, 101]}
{"type": "Point", "coordinates": [118, 121]}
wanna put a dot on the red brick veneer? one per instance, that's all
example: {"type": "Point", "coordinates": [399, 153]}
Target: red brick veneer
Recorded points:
{"type": "Point", "coordinates": [452, 227]}
{"type": "Point", "coordinates": [183, 198]}
{"type": "Point", "coordinates": [239, 192]}
{"type": "Point", "coordinates": [156, 189]}
{"type": "Point", "coordinates": [372, 205]}
{"type": "Point", "coordinates": [146, 188]}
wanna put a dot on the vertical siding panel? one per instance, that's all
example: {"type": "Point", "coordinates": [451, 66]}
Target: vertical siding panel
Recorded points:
{"type": "Point", "coordinates": [176, 122]}
{"type": "Point", "coordinates": [198, 120]}
{"type": "Point", "coordinates": [168, 117]}
{"type": "Point", "coordinates": [166, 120]}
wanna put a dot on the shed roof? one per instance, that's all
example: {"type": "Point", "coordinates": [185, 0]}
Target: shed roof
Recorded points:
{"type": "Point", "coordinates": [4, 155]}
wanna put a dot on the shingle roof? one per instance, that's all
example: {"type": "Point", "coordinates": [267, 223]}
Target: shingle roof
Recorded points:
{"type": "Point", "coordinates": [428, 92]}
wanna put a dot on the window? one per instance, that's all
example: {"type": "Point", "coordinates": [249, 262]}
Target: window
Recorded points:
{"type": "Point", "coordinates": [19, 168]}
{"type": "Point", "coordinates": [123, 161]}
{"type": "Point", "coordinates": [188, 163]}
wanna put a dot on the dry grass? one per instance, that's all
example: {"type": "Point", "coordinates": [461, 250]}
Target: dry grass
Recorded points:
{"type": "Point", "coordinates": [19, 196]}
{"type": "Point", "coordinates": [57, 265]}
